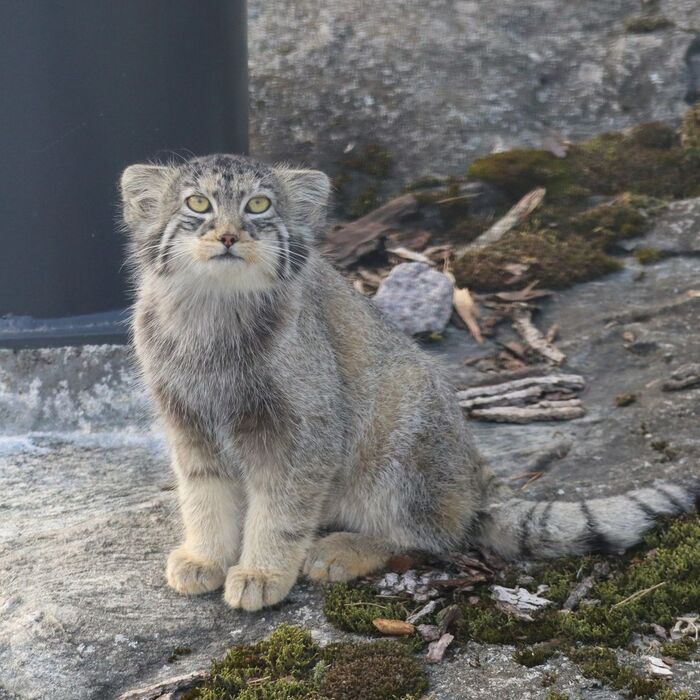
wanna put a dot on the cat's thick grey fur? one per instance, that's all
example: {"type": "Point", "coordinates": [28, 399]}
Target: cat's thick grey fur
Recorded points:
{"type": "Point", "coordinates": [292, 407]}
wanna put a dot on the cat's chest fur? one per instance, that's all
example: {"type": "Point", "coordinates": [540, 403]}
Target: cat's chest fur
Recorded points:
{"type": "Point", "coordinates": [211, 369]}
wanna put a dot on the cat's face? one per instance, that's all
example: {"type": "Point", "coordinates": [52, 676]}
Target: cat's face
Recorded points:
{"type": "Point", "coordinates": [223, 221]}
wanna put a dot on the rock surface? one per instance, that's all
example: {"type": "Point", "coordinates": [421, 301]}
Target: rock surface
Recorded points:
{"type": "Point", "coordinates": [88, 516]}
{"type": "Point", "coordinates": [443, 81]}
{"type": "Point", "coordinates": [416, 298]}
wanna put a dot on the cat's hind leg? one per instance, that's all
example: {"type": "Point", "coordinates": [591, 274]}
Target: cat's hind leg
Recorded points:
{"type": "Point", "coordinates": [342, 556]}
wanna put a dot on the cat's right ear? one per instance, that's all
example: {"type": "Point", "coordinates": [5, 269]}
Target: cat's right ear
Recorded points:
{"type": "Point", "coordinates": [142, 188]}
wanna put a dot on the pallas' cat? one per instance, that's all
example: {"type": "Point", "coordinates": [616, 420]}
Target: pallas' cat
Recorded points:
{"type": "Point", "coordinates": [306, 432]}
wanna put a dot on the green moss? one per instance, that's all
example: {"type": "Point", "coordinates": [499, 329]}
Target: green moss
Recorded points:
{"type": "Point", "coordinates": [535, 655]}
{"type": "Point", "coordinates": [382, 670]}
{"type": "Point", "coordinates": [645, 24]}
{"type": "Point", "coordinates": [690, 129]}
{"type": "Point", "coordinates": [682, 648]}
{"type": "Point", "coordinates": [554, 261]}
{"type": "Point", "coordinates": [290, 665]}
{"type": "Point", "coordinates": [622, 400]}
{"type": "Point", "coordinates": [606, 223]}
{"type": "Point", "coordinates": [177, 653]}
{"type": "Point", "coordinates": [556, 695]}
{"type": "Point", "coordinates": [352, 608]}
{"type": "Point", "coordinates": [648, 160]}
{"type": "Point", "coordinates": [601, 663]}
{"type": "Point", "coordinates": [519, 171]}
{"type": "Point", "coordinates": [367, 200]}
{"type": "Point", "coordinates": [648, 256]}
{"type": "Point", "coordinates": [372, 160]}
{"type": "Point", "coordinates": [424, 183]}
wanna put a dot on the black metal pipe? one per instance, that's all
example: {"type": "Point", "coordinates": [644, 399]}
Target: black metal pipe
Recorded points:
{"type": "Point", "coordinates": [90, 86]}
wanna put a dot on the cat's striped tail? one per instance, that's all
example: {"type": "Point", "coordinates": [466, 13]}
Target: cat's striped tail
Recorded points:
{"type": "Point", "coordinates": [518, 528]}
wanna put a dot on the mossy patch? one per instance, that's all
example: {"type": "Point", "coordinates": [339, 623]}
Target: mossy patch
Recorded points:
{"type": "Point", "coordinates": [535, 655]}
{"type": "Point", "coordinates": [601, 663]}
{"type": "Point", "coordinates": [353, 607]}
{"type": "Point", "coordinates": [648, 256]}
{"type": "Point", "coordinates": [653, 584]}
{"type": "Point", "coordinates": [290, 665]}
{"type": "Point", "coordinates": [360, 182]}
{"type": "Point", "coordinates": [683, 648]}
{"type": "Point", "coordinates": [573, 236]}
{"type": "Point", "coordinates": [645, 24]}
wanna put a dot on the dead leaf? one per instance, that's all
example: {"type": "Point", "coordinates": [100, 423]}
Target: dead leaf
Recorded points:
{"type": "Point", "coordinates": [468, 312]}
{"type": "Point", "coordinates": [393, 628]}
{"type": "Point", "coordinates": [412, 255]}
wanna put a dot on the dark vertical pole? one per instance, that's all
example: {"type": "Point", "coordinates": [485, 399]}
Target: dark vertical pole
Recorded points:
{"type": "Point", "coordinates": [90, 86]}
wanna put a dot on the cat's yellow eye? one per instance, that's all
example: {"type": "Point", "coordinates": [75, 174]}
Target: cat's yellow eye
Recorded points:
{"type": "Point", "coordinates": [257, 205]}
{"type": "Point", "coordinates": [198, 203]}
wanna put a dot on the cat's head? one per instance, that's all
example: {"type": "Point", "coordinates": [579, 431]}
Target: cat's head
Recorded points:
{"type": "Point", "coordinates": [221, 220]}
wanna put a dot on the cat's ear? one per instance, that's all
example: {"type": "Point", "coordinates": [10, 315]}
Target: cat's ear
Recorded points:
{"type": "Point", "coordinates": [307, 191]}
{"type": "Point", "coordinates": [142, 188]}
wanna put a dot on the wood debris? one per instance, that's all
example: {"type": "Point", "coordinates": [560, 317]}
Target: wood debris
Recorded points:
{"type": "Point", "coordinates": [525, 294]}
{"type": "Point", "coordinates": [393, 628]}
{"type": "Point", "coordinates": [169, 689]}
{"type": "Point", "coordinates": [436, 650]}
{"type": "Point", "coordinates": [514, 611]}
{"type": "Point", "coordinates": [685, 377]}
{"type": "Point", "coordinates": [469, 313]}
{"type": "Point", "coordinates": [427, 609]}
{"type": "Point", "coordinates": [516, 215]}
{"type": "Point", "coordinates": [547, 398]}
{"type": "Point", "coordinates": [522, 322]}
{"type": "Point", "coordinates": [429, 633]}
{"type": "Point", "coordinates": [347, 243]}
{"type": "Point", "coordinates": [412, 255]}
{"type": "Point", "coordinates": [582, 589]}
{"type": "Point", "coordinates": [521, 598]}
{"type": "Point", "coordinates": [688, 626]}
{"type": "Point", "coordinates": [658, 667]}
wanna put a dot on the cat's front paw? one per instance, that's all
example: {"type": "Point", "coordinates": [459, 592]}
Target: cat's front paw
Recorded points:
{"type": "Point", "coordinates": [191, 575]}
{"type": "Point", "coordinates": [253, 589]}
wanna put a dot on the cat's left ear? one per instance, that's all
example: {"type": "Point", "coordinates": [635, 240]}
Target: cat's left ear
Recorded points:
{"type": "Point", "coordinates": [308, 192]}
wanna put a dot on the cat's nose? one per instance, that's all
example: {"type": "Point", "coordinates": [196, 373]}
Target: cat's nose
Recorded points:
{"type": "Point", "coordinates": [228, 239]}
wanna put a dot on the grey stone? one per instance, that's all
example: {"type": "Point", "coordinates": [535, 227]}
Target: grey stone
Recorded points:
{"type": "Point", "coordinates": [677, 229]}
{"type": "Point", "coordinates": [439, 82]}
{"type": "Point", "coordinates": [416, 298]}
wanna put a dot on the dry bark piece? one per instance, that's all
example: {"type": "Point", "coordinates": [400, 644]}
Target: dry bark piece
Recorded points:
{"type": "Point", "coordinates": [427, 609]}
{"type": "Point", "coordinates": [393, 628]}
{"type": "Point", "coordinates": [572, 382]}
{"type": "Point", "coordinates": [514, 611]}
{"type": "Point", "coordinates": [583, 588]}
{"type": "Point", "coordinates": [522, 322]}
{"type": "Point", "coordinates": [469, 313]}
{"type": "Point", "coordinates": [436, 650]}
{"type": "Point", "coordinates": [347, 243]}
{"type": "Point", "coordinates": [165, 690]}
{"type": "Point", "coordinates": [548, 411]}
{"type": "Point", "coordinates": [658, 667]}
{"type": "Point", "coordinates": [429, 633]}
{"type": "Point", "coordinates": [685, 377]}
{"type": "Point", "coordinates": [521, 598]}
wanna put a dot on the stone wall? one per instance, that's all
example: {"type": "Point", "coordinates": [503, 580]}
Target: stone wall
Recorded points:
{"type": "Point", "coordinates": [437, 82]}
